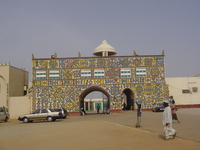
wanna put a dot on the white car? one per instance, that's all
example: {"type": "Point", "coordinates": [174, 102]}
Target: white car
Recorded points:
{"type": "Point", "coordinates": [158, 107]}
{"type": "Point", "coordinates": [40, 114]}
{"type": "Point", "coordinates": [4, 114]}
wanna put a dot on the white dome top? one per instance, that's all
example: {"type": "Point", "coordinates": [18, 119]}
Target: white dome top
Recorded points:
{"type": "Point", "coordinates": [104, 50]}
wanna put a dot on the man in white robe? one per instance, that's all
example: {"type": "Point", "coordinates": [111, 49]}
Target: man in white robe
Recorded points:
{"type": "Point", "coordinates": [167, 121]}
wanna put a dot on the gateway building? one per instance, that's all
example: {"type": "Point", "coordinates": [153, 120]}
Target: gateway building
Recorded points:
{"type": "Point", "coordinates": [65, 82]}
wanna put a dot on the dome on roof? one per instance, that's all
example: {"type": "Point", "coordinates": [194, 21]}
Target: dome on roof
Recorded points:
{"type": "Point", "coordinates": [104, 50]}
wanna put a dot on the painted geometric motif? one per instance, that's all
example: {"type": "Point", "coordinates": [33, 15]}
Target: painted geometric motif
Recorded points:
{"type": "Point", "coordinates": [112, 73]}
{"type": "Point", "coordinates": [92, 63]}
{"type": "Point", "coordinates": [41, 64]}
{"type": "Point", "coordinates": [101, 63]}
{"type": "Point", "coordinates": [125, 62]}
{"type": "Point", "coordinates": [115, 90]}
{"type": "Point", "coordinates": [57, 95]}
{"type": "Point", "coordinates": [115, 103]}
{"type": "Point", "coordinates": [159, 61]}
{"type": "Point", "coordinates": [66, 74]}
{"type": "Point", "coordinates": [69, 63]}
{"type": "Point", "coordinates": [62, 64]}
{"type": "Point", "coordinates": [148, 89]}
{"type": "Point", "coordinates": [97, 82]}
{"type": "Point", "coordinates": [88, 82]}
{"type": "Point", "coordinates": [137, 62]}
{"type": "Point", "coordinates": [139, 89]}
{"type": "Point", "coordinates": [54, 64]}
{"type": "Point", "coordinates": [155, 72]}
{"type": "Point", "coordinates": [111, 62]}
{"type": "Point", "coordinates": [148, 61]}
{"type": "Point", "coordinates": [76, 73]}
{"type": "Point", "coordinates": [158, 89]}
{"type": "Point", "coordinates": [137, 80]}
{"type": "Point", "coordinates": [42, 97]}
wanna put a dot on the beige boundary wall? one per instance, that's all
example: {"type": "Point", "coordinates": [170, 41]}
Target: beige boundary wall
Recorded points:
{"type": "Point", "coordinates": [19, 106]}
{"type": "Point", "coordinates": [178, 85]}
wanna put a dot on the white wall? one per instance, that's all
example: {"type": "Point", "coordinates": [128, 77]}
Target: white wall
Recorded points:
{"type": "Point", "coordinates": [19, 106]}
{"type": "Point", "coordinates": [176, 85]}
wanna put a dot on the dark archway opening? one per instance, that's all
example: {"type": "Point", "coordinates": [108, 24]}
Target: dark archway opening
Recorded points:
{"type": "Point", "coordinates": [128, 100]}
{"type": "Point", "coordinates": [91, 105]}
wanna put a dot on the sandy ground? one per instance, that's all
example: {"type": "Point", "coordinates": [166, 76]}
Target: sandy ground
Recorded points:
{"type": "Point", "coordinates": [101, 131]}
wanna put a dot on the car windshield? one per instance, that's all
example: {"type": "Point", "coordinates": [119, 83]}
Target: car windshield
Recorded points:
{"type": "Point", "coordinates": [159, 104]}
{"type": "Point", "coordinates": [36, 111]}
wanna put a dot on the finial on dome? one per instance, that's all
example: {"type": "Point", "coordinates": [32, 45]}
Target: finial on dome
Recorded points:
{"type": "Point", "coordinates": [104, 41]}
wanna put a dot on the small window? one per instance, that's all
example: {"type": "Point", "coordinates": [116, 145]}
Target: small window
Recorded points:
{"type": "Point", "coordinates": [185, 91]}
{"type": "Point", "coordinates": [194, 89]}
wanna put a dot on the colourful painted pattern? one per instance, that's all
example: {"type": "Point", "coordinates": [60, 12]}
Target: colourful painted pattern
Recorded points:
{"type": "Point", "coordinates": [59, 82]}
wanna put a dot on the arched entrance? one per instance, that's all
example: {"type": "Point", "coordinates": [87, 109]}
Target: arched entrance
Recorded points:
{"type": "Point", "coordinates": [127, 99]}
{"type": "Point", "coordinates": [105, 102]}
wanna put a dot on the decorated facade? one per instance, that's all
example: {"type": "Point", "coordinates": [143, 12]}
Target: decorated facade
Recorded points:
{"type": "Point", "coordinates": [65, 82]}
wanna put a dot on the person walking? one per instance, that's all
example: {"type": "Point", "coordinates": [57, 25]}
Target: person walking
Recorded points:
{"type": "Point", "coordinates": [82, 112]}
{"type": "Point", "coordinates": [139, 113]}
{"type": "Point", "coordinates": [174, 108]}
{"type": "Point", "coordinates": [167, 121]}
{"type": "Point", "coordinates": [107, 109]}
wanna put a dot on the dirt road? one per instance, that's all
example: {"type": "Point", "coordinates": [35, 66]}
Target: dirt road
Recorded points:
{"type": "Point", "coordinates": [101, 131]}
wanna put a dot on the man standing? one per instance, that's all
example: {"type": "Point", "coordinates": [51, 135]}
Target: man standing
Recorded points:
{"type": "Point", "coordinates": [98, 107]}
{"type": "Point", "coordinates": [139, 113]}
{"type": "Point", "coordinates": [167, 121]}
{"type": "Point", "coordinates": [171, 99]}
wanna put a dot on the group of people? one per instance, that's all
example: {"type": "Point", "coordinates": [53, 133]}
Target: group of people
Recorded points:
{"type": "Point", "coordinates": [169, 114]}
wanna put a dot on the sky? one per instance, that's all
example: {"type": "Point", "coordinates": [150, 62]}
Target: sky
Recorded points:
{"type": "Point", "coordinates": [66, 27]}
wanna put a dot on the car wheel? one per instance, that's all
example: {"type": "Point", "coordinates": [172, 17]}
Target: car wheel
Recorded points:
{"type": "Point", "coordinates": [25, 120]}
{"type": "Point", "coordinates": [6, 119]}
{"type": "Point", "coordinates": [49, 119]}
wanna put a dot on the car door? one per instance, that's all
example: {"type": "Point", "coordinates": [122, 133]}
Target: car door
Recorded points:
{"type": "Point", "coordinates": [35, 115]}
{"type": "Point", "coordinates": [43, 114]}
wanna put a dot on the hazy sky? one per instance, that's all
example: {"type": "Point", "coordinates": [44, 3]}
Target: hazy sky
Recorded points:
{"type": "Point", "coordinates": [66, 27]}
